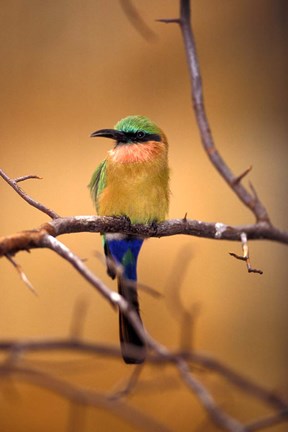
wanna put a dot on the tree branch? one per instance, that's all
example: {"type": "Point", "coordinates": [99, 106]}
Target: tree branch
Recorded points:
{"type": "Point", "coordinates": [25, 196]}
{"type": "Point", "coordinates": [222, 419]}
{"type": "Point", "coordinates": [31, 239]}
{"type": "Point", "coordinates": [84, 397]}
{"type": "Point", "coordinates": [251, 201]}
{"type": "Point", "coordinates": [17, 365]}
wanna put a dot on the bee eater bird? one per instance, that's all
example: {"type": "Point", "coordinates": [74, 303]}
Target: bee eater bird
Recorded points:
{"type": "Point", "coordinates": [133, 181]}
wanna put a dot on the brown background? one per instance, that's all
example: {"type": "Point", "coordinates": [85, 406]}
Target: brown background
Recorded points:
{"type": "Point", "coordinates": [70, 67]}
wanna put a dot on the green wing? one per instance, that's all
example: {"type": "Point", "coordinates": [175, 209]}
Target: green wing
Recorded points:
{"type": "Point", "coordinates": [98, 182]}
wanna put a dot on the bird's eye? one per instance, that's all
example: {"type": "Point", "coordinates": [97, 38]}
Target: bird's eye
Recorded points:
{"type": "Point", "coordinates": [140, 134]}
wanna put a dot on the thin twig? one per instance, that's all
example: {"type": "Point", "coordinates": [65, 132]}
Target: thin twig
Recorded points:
{"type": "Point", "coordinates": [246, 256]}
{"type": "Point", "coordinates": [268, 421]}
{"type": "Point", "coordinates": [27, 177]}
{"type": "Point", "coordinates": [78, 318]}
{"type": "Point", "coordinates": [21, 274]}
{"type": "Point", "coordinates": [129, 384]}
{"type": "Point", "coordinates": [168, 20]}
{"type": "Point", "coordinates": [25, 196]}
{"type": "Point", "coordinates": [241, 176]}
{"type": "Point", "coordinates": [137, 21]}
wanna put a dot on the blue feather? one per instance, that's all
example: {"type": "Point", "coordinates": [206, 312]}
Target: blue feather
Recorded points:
{"type": "Point", "coordinates": [125, 252]}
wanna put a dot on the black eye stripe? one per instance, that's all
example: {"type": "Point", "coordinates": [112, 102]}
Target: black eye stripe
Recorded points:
{"type": "Point", "coordinates": [141, 136]}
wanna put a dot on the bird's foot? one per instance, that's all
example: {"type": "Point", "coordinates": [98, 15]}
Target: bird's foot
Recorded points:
{"type": "Point", "coordinates": [126, 221]}
{"type": "Point", "coordinates": [154, 227]}
{"type": "Point", "coordinates": [124, 218]}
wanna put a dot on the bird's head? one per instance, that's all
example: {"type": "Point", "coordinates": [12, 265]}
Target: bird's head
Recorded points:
{"type": "Point", "coordinates": [133, 130]}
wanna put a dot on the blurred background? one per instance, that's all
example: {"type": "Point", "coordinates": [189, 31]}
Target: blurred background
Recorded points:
{"type": "Point", "coordinates": [71, 67]}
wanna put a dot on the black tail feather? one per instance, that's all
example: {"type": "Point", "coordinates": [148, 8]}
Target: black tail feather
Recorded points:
{"type": "Point", "coordinates": [132, 346]}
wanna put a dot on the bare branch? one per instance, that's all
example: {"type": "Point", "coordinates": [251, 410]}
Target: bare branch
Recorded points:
{"type": "Point", "coordinates": [62, 250]}
{"type": "Point", "coordinates": [267, 422]}
{"type": "Point", "coordinates": [114, 298]}
{"type": "Point", "coordinates": [214, 411]}
{"type": "Point", "coordinates": [45, 235]}
{"type": "Point", "coordinates": [246, 385]}
{"type": "Point", "coordinates": [77, 395]}
{"type": "Point", "coordinates": [208, 362]}
{"type": "Point", "coordinates": [250, 201]}
{"type": "Point", "coordinates": [26, 197]}
{"type": "Point", "coordinates": [158, 357]}
{"type": "Point", "coordinates": [32, 239]}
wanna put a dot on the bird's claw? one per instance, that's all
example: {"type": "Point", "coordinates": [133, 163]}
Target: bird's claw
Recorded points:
{"type": "Point", "coordinates": [126, 220]}
{"type": "Point", "coordinates": [154, 226]}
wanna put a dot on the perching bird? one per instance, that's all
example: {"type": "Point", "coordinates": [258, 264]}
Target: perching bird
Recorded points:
{"type": "Point", "coordinates": [132, 182]}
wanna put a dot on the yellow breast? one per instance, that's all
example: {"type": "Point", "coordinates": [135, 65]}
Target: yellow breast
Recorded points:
{"type": "Point", "coordinates": [137, 182]}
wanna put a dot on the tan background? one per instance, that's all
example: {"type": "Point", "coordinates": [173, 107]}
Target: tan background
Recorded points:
{"type": "Point", "coordinates": [70, 67]}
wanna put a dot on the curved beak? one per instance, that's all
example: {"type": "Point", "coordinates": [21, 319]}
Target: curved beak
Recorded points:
{"type": "Point", "coordinates": [110, 133]}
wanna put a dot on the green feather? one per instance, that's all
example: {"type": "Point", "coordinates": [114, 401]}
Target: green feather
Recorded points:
{"type": "Point", "coordinates": [128, 258]}
{"type": "Point", "coordinates": [138, 123]}
{"type": "Point", "coordinates": [98, 182]}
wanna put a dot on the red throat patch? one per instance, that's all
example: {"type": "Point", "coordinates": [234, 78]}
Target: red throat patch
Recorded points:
{"type": "Point", "coordinates": [141, 152]}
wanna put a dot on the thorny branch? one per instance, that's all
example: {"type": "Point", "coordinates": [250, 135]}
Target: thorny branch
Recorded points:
{"type": "Point", "coordinates": [45, 236]}
{"type": "Point", "coordinates": [250, 200]}
{"type": "Point", "coordinates": [31, 239]}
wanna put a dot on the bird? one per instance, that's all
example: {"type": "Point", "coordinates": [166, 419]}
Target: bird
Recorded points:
{"type": "Point", "coordinates": [132, 182]}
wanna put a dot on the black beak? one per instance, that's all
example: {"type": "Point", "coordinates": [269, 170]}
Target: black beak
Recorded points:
{"type": "Point", "coordinates": [110, 133]}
